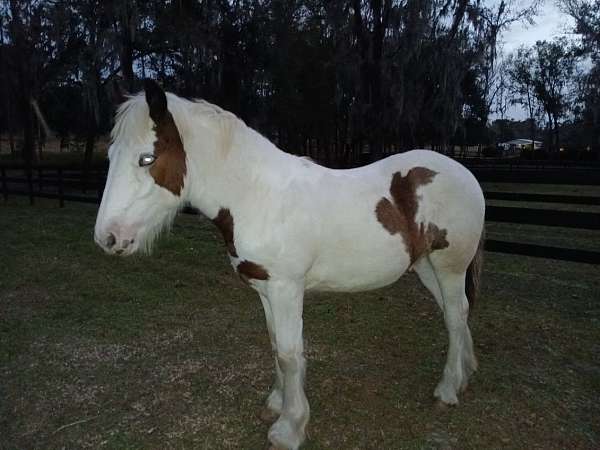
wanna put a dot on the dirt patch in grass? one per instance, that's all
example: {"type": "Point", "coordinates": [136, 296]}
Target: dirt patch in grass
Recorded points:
{"type": "Point", "coordinates": [171, 351]}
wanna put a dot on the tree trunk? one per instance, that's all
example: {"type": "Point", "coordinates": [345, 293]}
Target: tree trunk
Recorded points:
{"type": "Point", "coordinates": [532, 130]}
{"type": "Point", "coordinates": [11, 141]}
{"type": "Point", "coordinates": [28, 149]}
{"type": "Point", "coordinates": [557, 135]}
{"type": "Point", "coordinates": [127, 26]}
{"type": "Point", "coordinates": [90, 141]}
{"type": "Point", "coordinates": [375, 79]}
{"type": "Point", "coordinates": [88, 155]}
{"type": "Point", "coordinates": [25, 83]}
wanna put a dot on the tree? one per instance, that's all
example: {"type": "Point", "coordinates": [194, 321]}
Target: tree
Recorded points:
{"type": "Point", "coordinates": [520, 69]}
{"type": "Point", "coordinates": [542, 77]}
{"type": "Point", "coordinates": [393, 74]}
{"type": "Point", "coordinates": [587, 24]}
{"type": "Point", "coordinates": [493, 19]}
{"type": "Point", "coordinates": [554, 66]}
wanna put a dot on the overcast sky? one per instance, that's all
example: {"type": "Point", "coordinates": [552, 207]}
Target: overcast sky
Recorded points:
{"type": "Point", "coordinates": [550, 23]}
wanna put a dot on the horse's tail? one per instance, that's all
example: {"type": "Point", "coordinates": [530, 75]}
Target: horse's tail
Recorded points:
{"type": "Point", "coordinates": [473, 279]}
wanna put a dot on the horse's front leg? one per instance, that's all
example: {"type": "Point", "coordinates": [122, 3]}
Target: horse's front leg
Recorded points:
{"type": "Point", "coordinates": [275, 400]}
{"type": "Point", "coordinates": [285, 299]}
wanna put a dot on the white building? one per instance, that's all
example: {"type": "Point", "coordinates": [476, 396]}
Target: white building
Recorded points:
{"type": "Point", "coordinates": [520, 144]}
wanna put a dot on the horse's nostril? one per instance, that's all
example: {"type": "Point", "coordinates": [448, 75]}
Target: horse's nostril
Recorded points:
{"type": "Point", "coordinates": [111, 240]}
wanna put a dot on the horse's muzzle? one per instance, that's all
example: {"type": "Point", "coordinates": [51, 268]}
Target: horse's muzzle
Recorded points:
{"type": "Point", "coordinates": [113, 245]}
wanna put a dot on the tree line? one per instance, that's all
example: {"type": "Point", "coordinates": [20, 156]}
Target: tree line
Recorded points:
{"type": "Point", "coordinates": [558, 82]}
{"type": "Point", "coordinates": [329, 78]}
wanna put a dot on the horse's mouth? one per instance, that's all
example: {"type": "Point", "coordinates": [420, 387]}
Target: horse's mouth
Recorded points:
{"type": "Point", "coordinates": [114, 246]}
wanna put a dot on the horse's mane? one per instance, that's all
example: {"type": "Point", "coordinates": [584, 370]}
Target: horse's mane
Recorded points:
{"type": "Point", "coordinates": [133, 120]}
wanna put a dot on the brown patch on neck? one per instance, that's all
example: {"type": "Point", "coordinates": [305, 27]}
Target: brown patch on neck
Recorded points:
{"type": "Point", "coordinates": [169, 169]}
{"type": "Point", "coordinates": [247, 270]}
{"type": "Point", "coordinates": [224, 222]}
{"type": "Point", "coordinates": [251, 271]}
{"type": "Point", "coordinates": [399, 216]}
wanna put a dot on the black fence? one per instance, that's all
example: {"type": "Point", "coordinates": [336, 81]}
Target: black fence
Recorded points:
{"type": "Point", "coordinates": [64, 183]}
{"type": "Point", "coordinates": [546, 171]}
{"type": "Point", "coordinates": [74, 183]}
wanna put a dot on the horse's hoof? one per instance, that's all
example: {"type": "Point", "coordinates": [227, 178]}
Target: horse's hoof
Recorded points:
{"type": "Point", "coordinates": [445, 395]}
{"type": "Point", "coordinates": [268, 416]}
{"type": "Point", "coordinates": [440, 406]}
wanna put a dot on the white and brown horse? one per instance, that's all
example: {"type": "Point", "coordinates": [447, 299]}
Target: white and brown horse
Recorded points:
{"type": "Point", "coordinates": [291, 225]}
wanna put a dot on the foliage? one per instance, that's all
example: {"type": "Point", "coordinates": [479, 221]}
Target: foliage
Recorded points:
{"type": "Point", "coordinates": [338, 74]}
{"type": "Point", "coordinates": [542, 79]}
{"type": "Point", "coordinates": [586, 14]}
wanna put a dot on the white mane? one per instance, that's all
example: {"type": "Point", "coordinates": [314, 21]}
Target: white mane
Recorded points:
{"type": "Point", "coordinates": [133, 121]}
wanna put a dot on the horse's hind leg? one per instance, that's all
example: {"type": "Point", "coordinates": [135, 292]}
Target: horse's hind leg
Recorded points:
{"type": "Point", "coordinates": [427, 275]}
{"type": "Point", "coordinates": [461, 361]}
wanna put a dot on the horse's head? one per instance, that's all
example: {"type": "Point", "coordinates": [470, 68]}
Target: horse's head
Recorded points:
{"type": "Point", "coordinates": [146, 179]}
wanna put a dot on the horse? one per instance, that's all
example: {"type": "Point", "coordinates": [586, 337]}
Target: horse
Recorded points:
{"type": "Point", "coordinates": [291, 225]}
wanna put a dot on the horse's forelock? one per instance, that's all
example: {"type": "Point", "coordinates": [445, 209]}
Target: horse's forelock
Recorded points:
{"type": "Point", "coordinates": [131, 121]}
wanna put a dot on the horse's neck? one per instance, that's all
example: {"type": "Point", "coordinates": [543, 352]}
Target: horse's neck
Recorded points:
{"type": "Point", "coordinates": [252, 166]}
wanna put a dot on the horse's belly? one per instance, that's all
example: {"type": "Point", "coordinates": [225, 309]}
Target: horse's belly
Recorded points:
{"type": "Point", "coordinates": [357, 270]}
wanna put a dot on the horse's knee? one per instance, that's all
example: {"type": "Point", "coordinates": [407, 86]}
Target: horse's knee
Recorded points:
{"type": "Point", "coordinates": [275, 400]}
{"type": "Point", "coordinates": [291, 362]}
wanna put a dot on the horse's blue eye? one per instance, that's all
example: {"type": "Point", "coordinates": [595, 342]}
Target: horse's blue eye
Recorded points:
{"type": "Point", "coordinates": [146, 159]}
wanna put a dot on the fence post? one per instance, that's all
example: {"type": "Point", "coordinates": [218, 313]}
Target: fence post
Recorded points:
{"type": "Point", "coordinates": [100, 184]}
{"type": "Point", "coordinates": [28, 171]}
{"type": "Point", "coordinates": [61, 198]}
{"type": "Point", "coordinates": [40, 179]}
{"type": "Point", "coordinates": [4, 186]}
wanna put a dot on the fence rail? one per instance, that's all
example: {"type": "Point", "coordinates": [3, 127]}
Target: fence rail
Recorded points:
{"type": "Point", "coordinates": [543, 198]}
{"type": "Point", "coordinates": [574, 176]}
{"type": "Point", "coordinates": [543, 251]}
{"type": "Point", "coordinates": [547, 217]}
{"type": "Point", "coordinates": [538, 164]}
{"type": "Point", "coordinates": [71, 183]}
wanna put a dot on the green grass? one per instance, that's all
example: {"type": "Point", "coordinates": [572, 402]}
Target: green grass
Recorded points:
{"type": "Point", "coordinates": [171, 351]}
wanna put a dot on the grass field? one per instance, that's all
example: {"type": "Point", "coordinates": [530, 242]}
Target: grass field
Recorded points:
{"type": "Point", "coordinates": [171, 351]}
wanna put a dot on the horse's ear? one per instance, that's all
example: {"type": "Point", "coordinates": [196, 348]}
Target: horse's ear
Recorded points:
{"type": "Point", "coordinates": [156, 99]}
{"type": "Point", "coordinates": [116, 94]}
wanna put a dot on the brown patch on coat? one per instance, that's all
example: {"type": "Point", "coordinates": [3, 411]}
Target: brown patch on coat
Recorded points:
{"type": "Point", "coordinates": [252, 271]}
{"type": "Point", "coordinates": [247, 270]}
{"type": "Point", "coordinates": [170, 168]}
{"type": "Point", "coordinates": [224, 222]}
{"type": "Point", "coordinates": [399, 216]}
